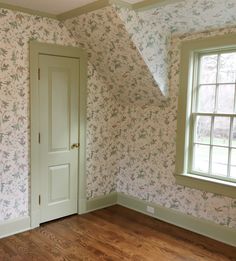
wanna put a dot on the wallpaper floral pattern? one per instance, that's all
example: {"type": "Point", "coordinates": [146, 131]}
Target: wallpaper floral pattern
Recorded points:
{"type": "Point", "coordinates": [101, 153]}
{"type": "Point", "coordinates": [16, 29]}
{"type": "Point", "coordinates": [114, 56]}
{"type": "Point", "coordinates": [145, 126]}
{"type": "Point", "coordinates": [151, 30]}
{"type": "Point", "coordinates": [148, 152]}
{"type": "Point", "coordinates": [147, 165]}
{"type": "Point", "coordinates": [114, 64]}
{"type": "Point", "coordinates": [131, 129]}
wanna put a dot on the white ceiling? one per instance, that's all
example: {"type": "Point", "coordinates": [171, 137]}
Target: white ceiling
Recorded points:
{"type": "Point", "coordinates": [53, 6]}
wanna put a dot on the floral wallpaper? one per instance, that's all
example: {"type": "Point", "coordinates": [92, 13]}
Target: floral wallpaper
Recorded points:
{"type": "Point", "coordinates": [131, 129]}
{"type": "Point", "coordinates": [148, 151]}
{"type": "Point", "coordinates": [114, 56]}
{"type": "Point", "coordinates": [102, 116]}
{"type": "Point", "coordinates": [148, 133]}
{"type": "Point", "coordinates": [151, 30]}
{"type": "Point", "coordinates": [145, 126]}
{"type": "Point", "coordinates": [16, 30]}
{"type": "Point", "coordinates": [118, 76]}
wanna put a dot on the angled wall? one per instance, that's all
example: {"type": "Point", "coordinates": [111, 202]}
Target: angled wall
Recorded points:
{"type": "Point", "coordinates": [114, 56]}
{"type": "Point", "coordinates": [148, 136]}
{"type": "Point", "coordinates": [151, 30]}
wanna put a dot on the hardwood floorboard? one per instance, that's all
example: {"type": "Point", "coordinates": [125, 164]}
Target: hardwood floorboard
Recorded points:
{"type": "Point", "coordinates": [114, 234]}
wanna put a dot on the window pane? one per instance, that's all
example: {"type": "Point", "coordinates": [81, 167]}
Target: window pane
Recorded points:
{"type": "Point", "coordinates": [201, 158]}
{"type": "Point", "coordinates": [208, 69]}
{"type": "Point", "coordinates": [227, 68]}
{"type": "Point", "coordinates": [221, 131]}
{"type": "Point", "coordinates": [234, 134]}
{"type": "Point", "coordinates": [206, 98]}
{"type": "Point", "coordinates": [203, 129]}
{"type": "Point", "coordinates": [226, 99]}
{"type": "Point", "coordinates": [233, 164]}
{"type": "Point", "coordinates": [219, 161]}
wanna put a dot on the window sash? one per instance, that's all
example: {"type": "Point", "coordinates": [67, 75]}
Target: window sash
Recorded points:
{"type": "Point", "coordinates": [211, 145]}
{"type": "Point", "coordinates": [193, 116]}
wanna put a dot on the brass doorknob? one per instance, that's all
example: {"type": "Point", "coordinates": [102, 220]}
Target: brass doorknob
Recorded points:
{"type": "Point", "coordinates": [75, 146]}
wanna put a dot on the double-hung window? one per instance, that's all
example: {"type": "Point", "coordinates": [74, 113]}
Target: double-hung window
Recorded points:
{"type": "Point", "coordinates": [206, 138]}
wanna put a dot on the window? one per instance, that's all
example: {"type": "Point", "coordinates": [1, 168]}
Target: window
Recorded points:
{"type": "Point", "coordinates": [213, 141]}
{"type": "Point", "coordinates": [206, 138]}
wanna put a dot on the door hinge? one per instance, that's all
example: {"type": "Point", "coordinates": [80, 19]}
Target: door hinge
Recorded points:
{"type": "Point", "coordinates": [38, 73]}
{"type": "Point", "coordinates": [39, 138]}
{"type": "Point", "coordinates": [39, 200]}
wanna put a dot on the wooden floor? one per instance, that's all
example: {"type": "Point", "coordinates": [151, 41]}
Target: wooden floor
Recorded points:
{"type": "Point", "coordinates": [115, 233]}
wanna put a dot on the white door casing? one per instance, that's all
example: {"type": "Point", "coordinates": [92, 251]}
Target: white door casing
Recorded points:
{"type": "Point", "coordinates": [56, 187]}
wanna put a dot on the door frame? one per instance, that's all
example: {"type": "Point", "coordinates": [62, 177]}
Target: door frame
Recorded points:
{"type": "Point", "coordinates": [37, 48]}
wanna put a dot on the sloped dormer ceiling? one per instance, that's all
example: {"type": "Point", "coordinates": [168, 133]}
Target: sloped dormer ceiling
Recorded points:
{"type": "Point", "coordinates": [114, 56]}
{"type": "Point", "coordinates": [152, 30]}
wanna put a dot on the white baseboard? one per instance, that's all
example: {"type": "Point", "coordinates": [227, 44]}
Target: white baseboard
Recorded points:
{"type": "Point", "coordinates": [197, 225]}
{"type": "Point", "coordinates": [18, 225]}
{"type": "Point", "coordinates": [14, 226]}
{"type": "Point", "coordinates": [101, 202]}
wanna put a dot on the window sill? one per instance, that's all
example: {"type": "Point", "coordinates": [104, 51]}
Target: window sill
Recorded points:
{"type": "Point", "coordinates": [225, 188]}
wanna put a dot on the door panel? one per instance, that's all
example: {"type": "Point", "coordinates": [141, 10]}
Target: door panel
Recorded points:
{"type": "Point", "coordinates": [59, 183]}
{"type": "Point", "coordinates": [59, 101]}
{"type": "Point", "coordinates": [59, 129]}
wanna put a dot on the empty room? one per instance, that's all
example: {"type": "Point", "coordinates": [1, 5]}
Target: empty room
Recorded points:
{"type": "Point", "coordinates": [118, 130]}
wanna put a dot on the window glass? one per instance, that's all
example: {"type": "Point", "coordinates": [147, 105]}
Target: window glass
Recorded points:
{"type": "Point", "coordinates": [219, 161]}
{"type": "Point", "coordinates": [206, 98]}
{"type": "Point", "coordinates": [221, 131]}
{"type": "Point", "coordinates": [227, 67]}
{"type": "Point", "coordinates": [203, 129]}
{"type": "Point", "coordinates": [201, 158]}
{"type": "Point", "coordinates": [233, 164]}
{"type": "Point", "coordinates": [226, 98]}
{"type": "Point", "coordinates": [234, 134]}
{"type": "Point", "coordinates": [208, 69]}
{"type": "Point", "coordinates": [214, 113]}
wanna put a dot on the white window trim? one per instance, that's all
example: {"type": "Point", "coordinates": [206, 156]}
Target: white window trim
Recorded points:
{"type": "Point", "coordinates": [188, 51]}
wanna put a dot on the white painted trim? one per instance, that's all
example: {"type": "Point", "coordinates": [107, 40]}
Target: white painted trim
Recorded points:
{"type": "Point", "coordinates": [197, 225]}
{"type": "Point", "coordinates": [14, 226]}
{"type": "Point", "coordinates": [101, 202]}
